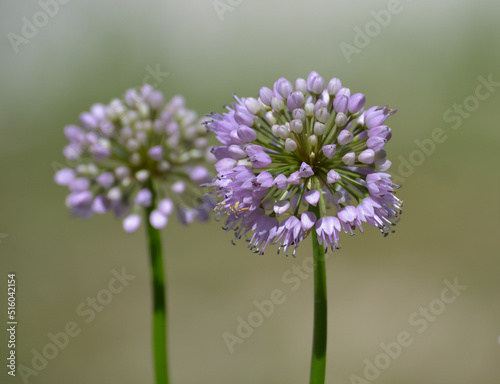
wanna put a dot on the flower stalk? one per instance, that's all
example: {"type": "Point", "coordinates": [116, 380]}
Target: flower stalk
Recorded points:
{"type": "Point", "coordinates": [159, 302]}
{"type": "Point", "coordinates": [318, 358]}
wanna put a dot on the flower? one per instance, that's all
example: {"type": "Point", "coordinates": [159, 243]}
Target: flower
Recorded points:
{"type": "Point", "coordinates": [135, 153]}
{"type": "Point", "coordinates": [299, 158]}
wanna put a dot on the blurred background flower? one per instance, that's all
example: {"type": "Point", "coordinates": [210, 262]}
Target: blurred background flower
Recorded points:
{"type": "Point", "coordinates": [135, 153]}
{"type": "Point", "coordinates": [436, 62]}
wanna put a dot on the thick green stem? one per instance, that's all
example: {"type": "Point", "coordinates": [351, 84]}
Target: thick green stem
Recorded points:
{"type": "Point", "coordinates": [159, 302]}
{"type": "Point", "coordinates": [318, 358]}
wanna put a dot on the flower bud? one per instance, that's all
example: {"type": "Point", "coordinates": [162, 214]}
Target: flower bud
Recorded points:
{"type": "Point", "coordinates": [301, 85]}
{"type": "Point", "coordinates": [332, 177]}
{"type": "Point", "coordinates": [329, 150]}
{"type": "Point", "coordinates": [340, 119]}
{"type": "Point", "coordinates": [315, 83]}
{"type": "Point", "coordinates": [178, 187]}
{"type": "Point", "coordinates": [283, 132]}
{"type": "Point", "coordinates": [244, 118]}
{"type": "Point", "coordinates": [280, 182]}
{"type": "Point", "coordinates": [340, 103]}
{"type": "Point", "coordinates": [144, 197]}
{"type": "Point", "coordinates": [349, 158]}
{"type": "Point", "coordinates": [296, 126]}
{"type": "Point", "coordinates": [157, 219]}
{"type": "Point", "coordinates": [271, 120]}
{"type": "Point", "coordinates": [131, 223]}
{"type": "Point", "coordinates": [345, 137]}
{"type": "Point", "coordinates": [312, 197]}
{"type": "Point", "coordinates": [252, 105]}
{"type": "Point", "coordinates": [376, 143]}
{"type": "Point", "coordinates": [382, 165]}
{"type": "Point", "coordinates": [156, 153]}
{"type": "Point", "coordinates": [299, 114]}
{"type": "Point", "coordinates": [367, 156]}
{"type": "Point", "coordinates": [319, 128]}
{"type": "Point", "coordinates": [266, 95]}
{"type": "Point", "coordinates": [295, 100]}
{"type": "Point", "coordinates": [246, 134]}
{"type": "Point", "coordinates": [281, 207]}
{"type": "Point", "coordinates": [334, 85]}
{"type": "Point", "coordinates": [114, 194]}
{"type": "Point", "coordinates": [312, 140]}
{"type": "Point", "coordinates": [290, 145]}
{"type": "Point", "coordinates": [356, 103]}
{"type": "Point", "coordinates": [309, 108]}
{"type": "Point", "coordinates": [64, 176]}
{"type": "Point", "coordinates": [283, 88]}
{"type": "Point", "coordinates": [305, 170]}
{"type": "Point", "coordinates": [142, 175]}
{"type": "Point", "coordinates": [277, 104]}
{"type": "Point", "coordinates": [322, 115]}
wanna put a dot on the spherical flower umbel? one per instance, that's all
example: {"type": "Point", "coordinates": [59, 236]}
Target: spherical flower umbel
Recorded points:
{"type": "Point", "coordinates": [137, 153]}
{"type": "Point", "coordinates": [303, 157]}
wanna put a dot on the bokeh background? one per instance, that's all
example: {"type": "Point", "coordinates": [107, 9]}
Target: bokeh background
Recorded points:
{"type": "Point", "coordinates": [424, 60]}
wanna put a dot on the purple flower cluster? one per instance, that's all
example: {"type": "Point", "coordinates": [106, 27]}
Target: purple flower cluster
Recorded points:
{"type": "Point", "coordinates": [304, 156]}
{"type": "Point", "coordinates": [137, 153]}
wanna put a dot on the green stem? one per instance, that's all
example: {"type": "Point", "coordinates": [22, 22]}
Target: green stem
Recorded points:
{"type": "Point", "coordinates": [159, 301]}
{"type": "Point", "coordinates": [318, 358]}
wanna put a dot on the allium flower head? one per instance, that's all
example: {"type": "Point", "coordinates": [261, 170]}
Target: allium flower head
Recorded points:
{"type": "Point", "coordinates": [299, 148]}
{"type": "Point", "coordinates": [135, 153]}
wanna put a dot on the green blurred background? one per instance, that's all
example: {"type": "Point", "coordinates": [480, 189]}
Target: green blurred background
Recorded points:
{"type": "Point", "coordinates": [427, 58]}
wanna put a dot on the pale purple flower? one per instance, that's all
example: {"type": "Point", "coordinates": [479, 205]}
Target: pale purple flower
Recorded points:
{"type": "Point", "coordinates": [367, 156]}
{"type": "Point", "coordinates": [328, 231]}
{"type": "Point", "coordinates": [348, 217]}
{"type": "Point", "coordinates": [298, 149]}
{"type": "Point", "coordinates": [332, 177]}
{"type": "Point", "coordinates": [312, 197]}
{"type": "Point", "coordinates": [158, 219]}
{"type": "Point", "coordinates": [144, 197]}
{"type": "Point", "coordinates": [315, 83]}
{"type": "Point", "coordinates": [64, 176]}
{"type": "Point", "coordinates": [356, 103]}
{"type": "Point", "coordinates": [290, 233]}
{"type": "Point", "coordinates": [135, 153]}
{"type": "Point", "coordinates": [131, 223]}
